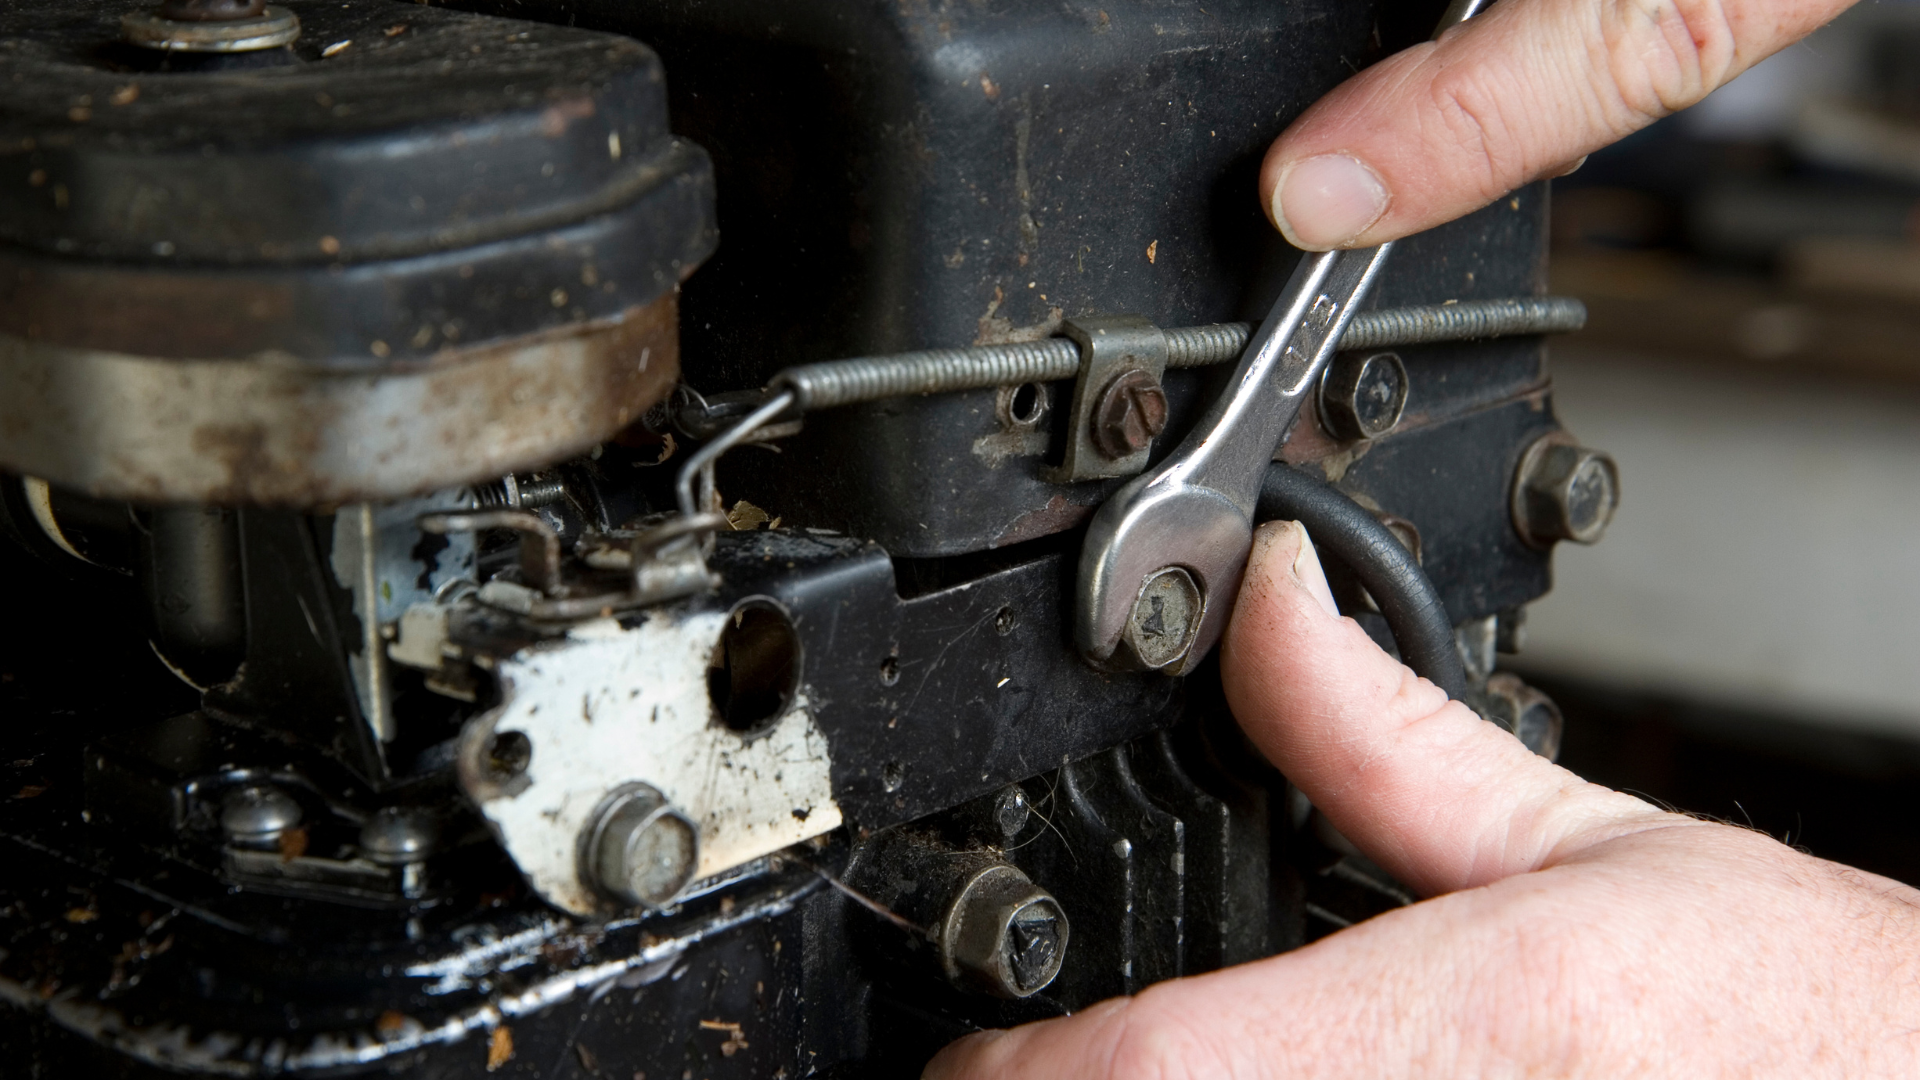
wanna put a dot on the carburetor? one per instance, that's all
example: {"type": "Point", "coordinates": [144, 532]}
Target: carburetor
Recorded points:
{"type": "Point", "coordinates": [473, 620]}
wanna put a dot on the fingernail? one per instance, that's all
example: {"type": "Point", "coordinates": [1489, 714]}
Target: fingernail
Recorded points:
{"type": "Point", "coordinates": [1327, 201]}
{"type": "Point", "coordinates": [1567, 169]}
{"type": "Point", "coordinates": [1308, 572]}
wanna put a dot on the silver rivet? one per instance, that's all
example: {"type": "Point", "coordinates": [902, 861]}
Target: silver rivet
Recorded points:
{"type": "Point", "coordinates": [256, 817]}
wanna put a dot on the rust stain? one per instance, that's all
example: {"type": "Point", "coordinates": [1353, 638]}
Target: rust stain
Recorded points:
{"type": "Point", "coordinates": [293, 844]}
{"type": "Point", "coordinates": [499, 1048]}
{"type": "Point", "coordinates": [996, 329]}
{"type": "Point", "coordinates": [268, 432]}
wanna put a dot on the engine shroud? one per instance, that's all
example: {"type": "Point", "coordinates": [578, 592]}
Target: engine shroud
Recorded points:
{"type": "Point", "coordinates": [419, 248]}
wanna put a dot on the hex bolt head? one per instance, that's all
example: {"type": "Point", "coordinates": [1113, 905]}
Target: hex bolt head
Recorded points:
{"type": "Point", "coordinates": [1562, 491]}
{"type": "Point", "coordinates": [1528, 713]}
{"type": "Point", "coordinates": [639, 849]}
{"type": "Point", "coordinates": [256, 817]}
{"type": "Point", "coordinates": [1362, 395]}
{"type": "Point", "coordinates": [1131, 412]}
{"type": "Point", "coordinates": [1002, 934]}
{"type": "Point", "coordinates": [1165, 619]}
{"type": "Point", "coordinates": [398, 835]}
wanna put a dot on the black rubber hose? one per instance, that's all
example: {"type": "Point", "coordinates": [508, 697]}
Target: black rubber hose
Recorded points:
{"type": "Point", "coordinates": [1344, 529]}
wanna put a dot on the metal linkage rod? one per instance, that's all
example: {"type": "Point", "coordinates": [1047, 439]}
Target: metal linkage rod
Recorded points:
{"type": "Point", "coordinates": [872, 378]}
{"type": "Point", "coordinates": [1471, 321]}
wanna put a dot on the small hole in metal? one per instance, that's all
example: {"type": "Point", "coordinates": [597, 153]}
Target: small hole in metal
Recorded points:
{"type": "Point", "coordinates": [1028, 404]}
{"type": "Point", "coordinates": [509, 754]}
{"type": "Point", "coordinates": [890, 671]}
{"type": "Point", "coordinates": [756, 667]}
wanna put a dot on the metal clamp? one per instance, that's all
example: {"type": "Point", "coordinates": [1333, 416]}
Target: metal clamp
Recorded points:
{"type": "Point", "coordinates": [1118, 405]}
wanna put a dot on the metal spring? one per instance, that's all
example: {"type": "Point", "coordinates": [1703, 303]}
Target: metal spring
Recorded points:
{"type": "Point", "coordinates": [872, 378]}
{"type": "Point", "coordinates": [517, 492]}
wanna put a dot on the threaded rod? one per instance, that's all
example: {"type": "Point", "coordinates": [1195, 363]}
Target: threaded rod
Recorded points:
{"type": "Point", "coordinates": [873, 378]}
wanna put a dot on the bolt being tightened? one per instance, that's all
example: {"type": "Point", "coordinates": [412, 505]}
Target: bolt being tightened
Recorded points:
{"type": "Point", "coordinates": [1192, 515]}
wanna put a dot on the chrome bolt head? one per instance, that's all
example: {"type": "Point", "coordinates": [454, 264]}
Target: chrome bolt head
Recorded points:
{"type": "Point", "coordinates": [1562, 491]}
{"type": "Point", "coordinates": [1165, 619]}
{"type": "Point", "coordinates": [1003, 935]}
{"type": "Point", "coordinates": [640, 850]}
{"type": "Point", "coordinates": [397, 835]}
{"type": "Point", "coordinates": [256, 817]}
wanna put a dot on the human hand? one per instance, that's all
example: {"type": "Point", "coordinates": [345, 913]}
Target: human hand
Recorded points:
{"type": "Point", "coordinates": [1522, 91]}
{"type": "Point", "coordinates": [1574, 931]}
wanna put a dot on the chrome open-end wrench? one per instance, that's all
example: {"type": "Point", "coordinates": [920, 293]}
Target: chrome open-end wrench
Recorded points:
{"type": "Point", "coordinates": [1164, 556]}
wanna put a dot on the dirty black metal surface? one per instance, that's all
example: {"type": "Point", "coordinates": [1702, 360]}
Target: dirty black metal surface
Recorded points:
{"type": "Point", "coordinates": [127, 955]}
{"type": "Point", "coordinates": [890, 176]}
{"type": "Point", "coordinates": [932, 700]}
{"type": "Point", "coordinates": [961, 478]}
{"type": "Point", "coordinates": [960, 174]}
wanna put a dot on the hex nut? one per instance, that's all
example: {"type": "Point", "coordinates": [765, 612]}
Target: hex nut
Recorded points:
{"type": "Point", "coordinates": [1562, 491]}
{"type": "Point", "coordinates": [1363, 395]}
{"type": "Point", "coordinates": [255, 818]}
{"type": "Point", "coordinates": [1131, 413]}
{"type": "Point", "coordinates": [639, 849]}
{"type": "Point", "coordinates": [1525, 711]}
{"type": "Point", "coordinates": [1165, 619]}
{"type": "Point", "coordinates": [1003, 935]}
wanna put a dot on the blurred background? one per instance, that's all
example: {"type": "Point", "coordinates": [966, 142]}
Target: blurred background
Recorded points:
{"type": "Point", "coordinates": [1745, 642]}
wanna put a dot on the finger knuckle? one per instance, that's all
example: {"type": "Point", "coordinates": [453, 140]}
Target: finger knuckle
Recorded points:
{"type": "Point", "coordinates": [1154, 1042]}
{"type": "Point", "coordinates": [1663, 55]}
{"type": "Point", "coordinates": [1477, 124]}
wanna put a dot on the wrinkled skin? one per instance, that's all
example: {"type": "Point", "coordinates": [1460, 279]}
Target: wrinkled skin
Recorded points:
{"type": "Point", "coordinates": [1571, 930]}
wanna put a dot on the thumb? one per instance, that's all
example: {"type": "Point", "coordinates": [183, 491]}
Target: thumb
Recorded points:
{"type": "Point", "coordinates": [1522, 91]}
{"type": "Point", "coordinates": [1439, 797]}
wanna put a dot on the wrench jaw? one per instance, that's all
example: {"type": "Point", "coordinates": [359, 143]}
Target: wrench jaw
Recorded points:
{"type": "Point", "coordinates": [1195, 512]}
{"type": "Point", "coordinates": [1158, 574]}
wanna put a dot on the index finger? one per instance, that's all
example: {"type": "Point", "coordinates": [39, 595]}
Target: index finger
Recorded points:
{"type": "Point", "coordinates": [1517, 93]}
